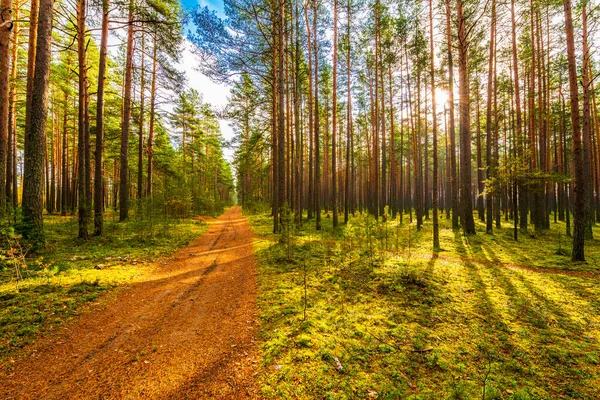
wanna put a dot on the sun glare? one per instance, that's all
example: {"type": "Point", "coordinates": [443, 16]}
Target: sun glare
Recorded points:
{"type": "Point", "coordinates": [441, 97]}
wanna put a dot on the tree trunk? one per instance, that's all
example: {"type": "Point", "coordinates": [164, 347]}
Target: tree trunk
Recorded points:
{"type": "Point", "coordinates": [140, 176]}
{"type": "Point", "coordinates": [152, 119]}
{"type": "Point", "coordinates": [33, 175]}
{"type": "Point", "coordinates": [65, 153]}
{"type": "Point", "coordinates": [124, 174]}
{"type": "Point", "coordinates": [82, 115]}
{"type": "Point", "coordinates": [451, 128]}
{"type": "Point", "coordinates": [6, 26]}
{"type": "Point", "coordinates": [578, 253]}
{"type": "Point", "coordinates": [436, 235]}
{"type": "Point", "coordinates": [349, 181]}
{"type": "Point", "coordinates": [317, 185]}
{"type": "Point", "coordinates": [488, 123]}
{"type": "Point", "coordinates": [99, 171]}
{"type": "Point", "coordinates": [334, 191]}
{"type": "Point", "coordinates": [11, 161]}
{"type": "Point", "coordinates": [586, 131]}
{"type": "Point", "coordinates": [466, 202]}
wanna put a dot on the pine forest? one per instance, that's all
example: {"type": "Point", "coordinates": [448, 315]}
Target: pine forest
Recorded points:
{"type": "Point", "coordinates": [298, 199]}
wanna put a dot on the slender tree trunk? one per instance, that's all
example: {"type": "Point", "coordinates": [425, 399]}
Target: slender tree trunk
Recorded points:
{"type": "Point", "coordinates": [82, 115]}
{"type": "Point", "coordinates": [297, 121]}
{"type": "Point", "coordinates": [311, 169]}
{"type": "Point", "coordinates": [451, 128]}
{"type": "Point", "coordinates": [349, 181]}
{"type": "Point", "coordinates": [99, 171]}
{"type": "Point", "coordinates": [317, 185]}
{"type": "Point", "coordinates": [586, 130]}
{"type": "Point", "coordinates": [436, 235]}
{"type": "Point", "coordinates": [281, 110]}
{"type": "Point", "coordinates": [578, 253]}
{"type": "Point", "coordinates": [522, 192]}
{"type": "Point", "coordinates": [11, 161]}
{"type": "Point", "coordinates": [65, 154]}
{"type": "Point", "coordinates": [152, 119]}
{"type": "Point", "coordinates": [479, 172]}
{"type": "Point", "coordinates": [140, 175]}
{"type": "Point", "coordinates": [124, 174]}
{"type": "Point", "coordinates": [488, 123]}
{"type": "Point", "coordinates": [468, 224]}
{"type": "Point", "coordinates": [334, 190]}
{"type": "Point", "coordinates": [6, 26]}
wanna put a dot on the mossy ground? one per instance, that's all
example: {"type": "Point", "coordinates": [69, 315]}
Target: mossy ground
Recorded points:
{"type": "Point", "coordinates": [67, 274]}
{"type": "Point", "coordinates": [368, 311]}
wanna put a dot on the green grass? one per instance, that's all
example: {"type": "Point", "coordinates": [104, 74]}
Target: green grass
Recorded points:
{"type": "Point", "coordinates": [61, 279]}
{"type": "Point", "coordinates": [487, 318]}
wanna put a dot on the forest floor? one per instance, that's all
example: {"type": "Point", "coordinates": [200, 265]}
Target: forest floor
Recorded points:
{"type": "Point", "coordinates": [184, 328]}
{"type": "Point", "coordinates": [369, 311]}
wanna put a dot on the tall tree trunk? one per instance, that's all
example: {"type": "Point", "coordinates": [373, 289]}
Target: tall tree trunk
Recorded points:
{"type": "Point", "coordinates": [152, 119]}
{"type": "Point", "coordinates": [488, 123]}
{"type": "Point", "coordinates": [451, 128]}
{"type": "Point", "coordinates": [6, 26]}
{"type": "Point", "coordinates": [82, 115]}
{"type": "Point", "coordinates": [436, 234]}
{"type": "Point", "coordinates": [586, 131]}
{"type": "Point", "coordinates": [33, 174]}
{"type": "Point", "coordinates": [140, 175]}
{"type": "Point", "coordinates": [297, 122]}
{"type": "Point", "coordinates": [99, 171]}
{"type": "Point", "coordinates": [578, 253]}
{"type": "Point", "coordinates": [479, 171]}
{"type": "Point", "coordinates": [334, 191]}
{"type": "Point", "coordinates": [281, 109]}
{"type": "Point", "coordinates": [65, 153]}
{"type": "Point", "coordinates": [466, 202]}
{"type": "Point", "coordinates": [349, 193]}
{"type": "Point", "coordinates": [31, 53]}
{"type": "Point", "coordinates": [11, 162]}
{"type": "Point", "coordinates": [522, 192]}
{"type": "Point", "coordinates": [317, 185]}
{"type": "Point", "coordinates": [124, 174]}
{"type": "Point", "coordinates": [311, 169]}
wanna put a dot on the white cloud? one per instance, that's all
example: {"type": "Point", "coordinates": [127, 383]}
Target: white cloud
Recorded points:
{"type": "Point", "coordinates": [213, 93]}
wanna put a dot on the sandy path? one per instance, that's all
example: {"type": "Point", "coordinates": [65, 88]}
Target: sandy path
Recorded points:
{"type": "Point", "coordinates": [186, 334]}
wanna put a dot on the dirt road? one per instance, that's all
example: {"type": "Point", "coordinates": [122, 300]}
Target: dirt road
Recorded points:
{"type": "Point", "coordinates": [186, 334]}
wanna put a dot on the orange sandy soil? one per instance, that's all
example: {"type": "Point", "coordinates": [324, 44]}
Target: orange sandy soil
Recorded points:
{"type": "Point", "coordinates": [188, 333]}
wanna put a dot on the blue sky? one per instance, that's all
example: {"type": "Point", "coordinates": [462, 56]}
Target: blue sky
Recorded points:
{"type": "Point", "coordinates": [212, 93]}
{"type": "Point", "coordinates": [216, 5]}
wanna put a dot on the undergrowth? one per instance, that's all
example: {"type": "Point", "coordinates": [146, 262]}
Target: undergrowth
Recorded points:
{"type": "Point", "coordinates": [367, 311]}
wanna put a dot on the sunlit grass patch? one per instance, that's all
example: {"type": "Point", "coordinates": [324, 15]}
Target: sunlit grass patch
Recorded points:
{"type": "Point", "coordinates": [369, 311]}
{"type": "Point", "coordinates": [57, 282]}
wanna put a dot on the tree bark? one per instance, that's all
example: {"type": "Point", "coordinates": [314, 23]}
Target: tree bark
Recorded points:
{"type": "Point", "coordinates": [99, 171]}
{"type": "Point", "coordinates": [124, 173]}
{"type": "Point", "coordinates": [82, 116]}
{"type": "Point", "coordinates": [488, 123]}
{"type": "Point", "coordinates": [578, 253]}
{"type": "Point", "coordinates": [451, 128]}
{"type": "Point", "coordinates": [586, 131]}
{"type": "Point", "coordinates": [436, 235]}
{"type": "Point", "coordinates": [334, 191]}
{"type": "Point", "coordinates": [33, 176]}
{"type": "Point", "coordinates": [152, 119]}
{"type": "Point", "coordinates": [140, 175]}
{"type": "Point", "coordinates": [466, 202]}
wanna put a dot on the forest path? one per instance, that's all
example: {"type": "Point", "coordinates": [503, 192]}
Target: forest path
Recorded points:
{"type": "Point", "coordinates": [189, 333]}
